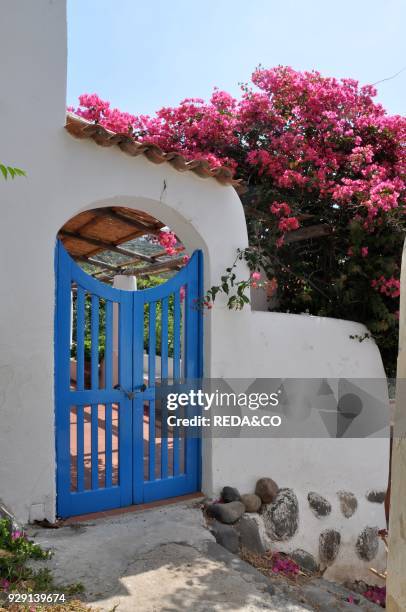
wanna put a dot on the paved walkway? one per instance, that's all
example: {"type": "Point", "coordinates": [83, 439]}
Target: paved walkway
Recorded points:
{"type": "Point", "coordinates": [165, 560]}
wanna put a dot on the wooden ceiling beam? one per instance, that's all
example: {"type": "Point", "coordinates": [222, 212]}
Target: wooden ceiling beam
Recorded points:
{"type": "Point", "coordinates": [160, 267]}
{"type": "Point", "coordinates": [98, 263]}
{"type": "Point", "coordinates": [152, 269]}
{"type": "Point", "coordinates": [109, 247]}
{"type": "Point", "coordinates": [157, 268]}
{"type": "Point", "coordinates": [164, 266]}
{"type": "Point", "coordinates": [147, 229]}
{"type": "Point", "coordinates": [88, 224]}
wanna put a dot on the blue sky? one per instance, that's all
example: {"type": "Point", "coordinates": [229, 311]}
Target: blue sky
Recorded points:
{"type": "Point", "coordinates": [142, 55]}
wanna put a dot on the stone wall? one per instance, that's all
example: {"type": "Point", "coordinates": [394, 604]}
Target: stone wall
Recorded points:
{"type": "Point", "coordinates": [277, 519]}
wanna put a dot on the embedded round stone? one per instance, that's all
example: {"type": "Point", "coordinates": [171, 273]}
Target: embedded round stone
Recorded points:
{"type": "Point", "coordinates": [305, 560]}
{"type": "Point", "coordinates": [266, 489]}
{"type": "Point", "coordinates": [251, 502]}
{"type": "Point", "coordinates": [367, 543]}
{"type": "Point", "coordinates": [376, 497]}
{"type": "Point", "coordinates": [281, 518]}
{"type": "Point", "coordinates": [318, 504]}
{"type": "Point", "coordinates": [226, 513]}
{"type": "Point", "coordinates": [329, 545]}
{"type": "Point", "coordinates": [250, 537]}
{"type": "Point", "coordinates": [348, 503]}
{"type": "Point", "coordinates": [226, 536]}
{"type": "Point", "coordinates": [230, 494]}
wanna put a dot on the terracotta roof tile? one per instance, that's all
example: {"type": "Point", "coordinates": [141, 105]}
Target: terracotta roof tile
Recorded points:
{"type": "Point", "coordinates": [80, 128]}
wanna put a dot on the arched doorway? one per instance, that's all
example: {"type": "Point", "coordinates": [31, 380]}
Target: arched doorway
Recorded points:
{"type": "Point", "coordinates": [115, 350]}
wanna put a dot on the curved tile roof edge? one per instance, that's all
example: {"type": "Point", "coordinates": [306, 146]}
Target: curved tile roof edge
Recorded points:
{"type": "Point", "coordinates": [81, 128]}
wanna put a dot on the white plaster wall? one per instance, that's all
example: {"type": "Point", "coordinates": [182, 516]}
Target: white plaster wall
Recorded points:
{"type": "Point", "coordinates": [272, 345]}
{"type": "Point", "coordinates": [65, 177]}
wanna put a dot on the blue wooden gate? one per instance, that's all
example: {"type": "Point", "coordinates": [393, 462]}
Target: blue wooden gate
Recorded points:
{"type": "Point", "coordinates": [113, 351]}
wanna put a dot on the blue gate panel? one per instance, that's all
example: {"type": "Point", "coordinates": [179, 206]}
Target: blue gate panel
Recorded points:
{"type": "Point", "coordinates": [113, 445]}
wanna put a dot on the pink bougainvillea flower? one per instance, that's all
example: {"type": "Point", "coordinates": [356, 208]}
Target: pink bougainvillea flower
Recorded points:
{"type": "Point", "coordinates": [288, 224]}
{"type": "Point", "coordinates": [376, 594]}
{"type": "Point", "coordinates": [387, 286]}
{"type": "Point", "coordinates": [168, 241]}
{"type": "Point", "coordinates": [313, 150]}
{"type": "Point", "coordinates": [280, 208]}
{"type": "Point", "coordinates": [255, 276]}
{"type": "Point", "coordinates": [284, 565]}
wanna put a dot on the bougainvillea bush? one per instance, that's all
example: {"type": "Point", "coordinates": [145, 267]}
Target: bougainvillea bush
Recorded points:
{"type": "Point", "coordinates": [324, 167]}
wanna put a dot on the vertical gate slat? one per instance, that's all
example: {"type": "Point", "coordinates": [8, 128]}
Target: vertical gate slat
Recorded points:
{"type": "Point", "coordinates": [63, 320]}
{"type": "Point", "coordinates": [176, 336]}
{"type": "Point", "coordinates": [108, 350]}
{"type": "Point", "coordinates": [190, 335]}
{"type": "Point", "coordinates": [151, 344]}
{"type": "Point", "coordinates": [80, 454]}
{"type": "Point", "coordinates": [183, 332]}
{"type": "Point", "coordinates": [151, 382]}
{"type": "Point", "coordinates": [188, 359]}
{"type": "Point", "coordinates": [95, 445]}
{"type": "Point", "coordinates": [164, 440]}
{"type": "Point", "coordinates": [176, 371]}
{"type": "Point", "coordinates": [94, 331]}
{"type": "Point", "coordinates": [138, 401]}
{"type": "Point", "coordinates": [109, 445]}
{"type": "Point", "coordinates": [151, 442]}
{"type": "Point", "coordinates": [192, 357]}
{"type": "Point", "coordinates": [80, 338]}
{"type": "Point", "coordinates": [164, 338]}
{"type": "Point", "coordinates": [164, 379]}
{"type": "Point", "coordinates": [125, 416]}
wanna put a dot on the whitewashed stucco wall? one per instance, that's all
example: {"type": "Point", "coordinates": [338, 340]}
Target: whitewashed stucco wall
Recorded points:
{"type": "Point", "coordinates": [65, 177]}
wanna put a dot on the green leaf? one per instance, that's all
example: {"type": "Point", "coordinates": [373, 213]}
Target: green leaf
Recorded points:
{"type": "Point", "coordinates": [231, 302]}
{"type": "Point", "coordinates": [11, 171]}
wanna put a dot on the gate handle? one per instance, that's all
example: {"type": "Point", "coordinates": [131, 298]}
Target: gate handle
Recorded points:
{"type": "Point", "coordinates": [130, 394]}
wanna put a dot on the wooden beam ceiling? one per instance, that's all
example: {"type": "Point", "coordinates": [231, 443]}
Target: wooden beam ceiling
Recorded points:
{"type": "Point", "coordinates": [143, 227]}
{"type": "Point", "coordinates": [107, 246]}
{"type": "Point", "coordinates": [109, 229]}
{"type": "Point", "coordinates": [98, 263]}
{"type": "Point", "coordinates": [170, 264]}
